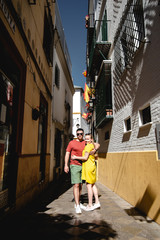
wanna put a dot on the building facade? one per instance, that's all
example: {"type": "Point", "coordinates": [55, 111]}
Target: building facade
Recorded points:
{"type": "Point", "coordinates": [79, 108]}
{"type": "Point", "coordinates": [35, 104]}
{"type": "Point", "coordinates": [62, 102]}
{"type": "Point", "coordinates": [122, 62]}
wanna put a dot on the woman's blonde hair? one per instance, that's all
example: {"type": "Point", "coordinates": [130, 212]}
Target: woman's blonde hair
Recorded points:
{"type": "Point", "coordinates": [89, 134]}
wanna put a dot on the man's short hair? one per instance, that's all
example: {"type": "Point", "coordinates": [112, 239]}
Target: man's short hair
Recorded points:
{"type": "Point", "coordinates": [80, 129]}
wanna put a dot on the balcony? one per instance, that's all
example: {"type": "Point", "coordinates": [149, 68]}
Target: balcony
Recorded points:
{"type": "Point", "coordinates": [90, 30]}
{"type": "Point", "coordinates": [99, 49]}
{"type": "Point", "coordinates": [104, 112]}
{"type": "Point", "coordinates": [89, 21]}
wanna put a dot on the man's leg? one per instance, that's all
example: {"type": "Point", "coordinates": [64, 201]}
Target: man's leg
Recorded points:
{"type": "Point", "coordinates": [77, 186]}
{"type": "Point", "coordinates": [80, 190]}
{"type": "Point", "coordinates": [76, 192]}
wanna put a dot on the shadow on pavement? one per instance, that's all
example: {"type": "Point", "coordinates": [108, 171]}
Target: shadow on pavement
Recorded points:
{"type": "Point", "coordinates": [60, 226]}
{"type": "Point", "coordinates": [33, 222]}
{"type": "Point", "coordinates": [84, 198]}
{"type": "Point", "coordinates": [138, 215]}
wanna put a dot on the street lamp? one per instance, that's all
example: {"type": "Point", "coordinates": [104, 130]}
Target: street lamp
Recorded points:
{"type": "Point", "coordinates": [90, 104]}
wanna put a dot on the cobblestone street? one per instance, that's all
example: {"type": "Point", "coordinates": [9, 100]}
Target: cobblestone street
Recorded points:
{"type": "Point", "coordinates": [52, 216]}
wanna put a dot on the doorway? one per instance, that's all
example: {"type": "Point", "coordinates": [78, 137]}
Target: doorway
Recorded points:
{"type": "Point", "coordinates": [42, 138]}
{"type": "Point", "coordinates": [57, 147]}
{"type": "Point", "coordinates": [12, 87]}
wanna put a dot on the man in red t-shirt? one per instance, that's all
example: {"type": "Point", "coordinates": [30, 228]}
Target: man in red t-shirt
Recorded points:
{"type": "Point", "coordinates": [75, 147]}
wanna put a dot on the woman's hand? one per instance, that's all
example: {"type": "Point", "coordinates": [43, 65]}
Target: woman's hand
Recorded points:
{"type": "Point", "coordinates": [73, 157]}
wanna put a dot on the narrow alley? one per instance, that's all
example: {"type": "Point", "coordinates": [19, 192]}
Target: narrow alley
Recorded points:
{"type": "Point", "coordinates": [52, 216]}
{"type": "Point", "coordinates": [46, 95]}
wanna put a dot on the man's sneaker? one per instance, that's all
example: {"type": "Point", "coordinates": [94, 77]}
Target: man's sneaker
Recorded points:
{"type": "Point", "coordinates": [82, 206]}
{"type": "Point", "coordinates": [78, 209]}
{"type": "Point", "coordinates": [96, 206]}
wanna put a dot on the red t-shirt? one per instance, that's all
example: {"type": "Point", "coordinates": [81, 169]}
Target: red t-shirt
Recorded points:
{"type": "Point", "coordinates": [75, 148]}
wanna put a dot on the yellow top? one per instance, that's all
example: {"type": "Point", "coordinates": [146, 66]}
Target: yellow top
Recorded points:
{"type": "Point", "coordinates": [89, 166]}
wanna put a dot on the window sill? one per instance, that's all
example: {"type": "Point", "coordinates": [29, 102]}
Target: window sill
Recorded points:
{"type": "Point", "coordinates": [146, 125]}
{"type": "Point", "coordinates": [127, 132]}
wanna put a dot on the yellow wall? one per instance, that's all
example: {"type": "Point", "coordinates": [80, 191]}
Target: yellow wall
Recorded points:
{"type": "Point", "coordinates": [135, 176]}
{"type": "Point", "coordinates": [32, 20]}
{"type": "Point", "coordinates": [28, 184]}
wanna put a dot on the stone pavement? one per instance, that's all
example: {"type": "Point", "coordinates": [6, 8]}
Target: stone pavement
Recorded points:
{"type": "Point", "coordinates": [52, 216]}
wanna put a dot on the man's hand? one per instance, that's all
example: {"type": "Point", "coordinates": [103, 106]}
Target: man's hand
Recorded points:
{"type": "Point", "coordinates": [96, 147]}
{"type": "Point", "coordinates": [66, 169]}
{"type": "Point", "coordinates": [92, 152]}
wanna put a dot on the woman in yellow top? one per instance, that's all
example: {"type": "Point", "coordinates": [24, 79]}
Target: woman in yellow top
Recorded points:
{"type": "Point", "coordinates": [89, 173]}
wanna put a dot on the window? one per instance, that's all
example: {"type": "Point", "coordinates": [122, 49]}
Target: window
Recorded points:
{"type": "Point", "coordinates": [42, 136]}
{"type": "Point", "coordinates": [48, 38]}
{"type": "Point", "coordinates": [145, 116]}
{"type": "Point", "coordinates": [67, 114]}
{"type": "Point", "coordinates": [130, 34]}
{"type": "Point", "coordinates": [104, 28]}
{"type": "Point", "coordinates": [58, 147]}
{"type": "Point", "coordinates": [127, 124]}
{"type": "Point", "coordinates": [107, 136]}
{"type": "Point", "coordinates": [124, 50]}
{"type": "Point", "coordinates": [57, 76]}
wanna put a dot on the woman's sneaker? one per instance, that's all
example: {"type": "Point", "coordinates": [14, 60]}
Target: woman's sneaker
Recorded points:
{"type": "Point", "coordinates": [96, 206]}
{"type": "Point", "coordinates": [78, 209]}
{"type": "Point", "coordinates": [89, 208]}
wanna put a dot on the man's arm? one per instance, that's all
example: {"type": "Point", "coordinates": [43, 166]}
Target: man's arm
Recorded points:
{"type": "Point", "coordinates": [84, 158]}
{"type": "Point", "coordinates": [96, 147]}
{"type": "Point", "coordinates": [66, 168]}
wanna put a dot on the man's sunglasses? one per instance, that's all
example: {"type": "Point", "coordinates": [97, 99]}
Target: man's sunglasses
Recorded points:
{"type": "Point", "coordinates": [79, 134]}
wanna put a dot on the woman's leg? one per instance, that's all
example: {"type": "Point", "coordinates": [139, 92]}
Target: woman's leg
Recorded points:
{"type": "Point", "coordinates": [95, 193]}
{"type": "Point", "coordinates": [90, 194]}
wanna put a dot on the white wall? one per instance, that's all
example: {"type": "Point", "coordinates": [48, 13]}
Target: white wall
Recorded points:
{"type": "Point", "coordinates": [138, 87]}
{"type": "Point", "coordinates": [60, 95]}
{"type": "Point", "coordinates": [78, 110]}
{"type": "Point", "coordinates": [84, 124]}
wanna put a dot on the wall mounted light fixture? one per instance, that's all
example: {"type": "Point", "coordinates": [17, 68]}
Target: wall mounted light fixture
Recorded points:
{"type": "Point", "coordinates": [32, 2]}
{"type": "Point", "coordinates": [35, 114]}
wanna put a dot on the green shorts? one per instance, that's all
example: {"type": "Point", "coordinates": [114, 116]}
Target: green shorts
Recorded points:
{"type": "Point", "coordinates": [76, 174]}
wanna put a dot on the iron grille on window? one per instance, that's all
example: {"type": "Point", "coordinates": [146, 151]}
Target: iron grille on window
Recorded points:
{"type": "Point", "coordinates": [129, 36]}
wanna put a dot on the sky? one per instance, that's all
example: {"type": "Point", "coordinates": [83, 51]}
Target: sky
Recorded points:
{"type": "Point", "coordinates": [73, 14]}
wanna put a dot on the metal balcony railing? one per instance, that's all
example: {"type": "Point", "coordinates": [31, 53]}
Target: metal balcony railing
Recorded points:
{"type": "Point", "coordinates": [104, 116]}
{"type": "Point", "coordinates": [100, 45]}
{"type": "Point", "coordinates": [104, 95]}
